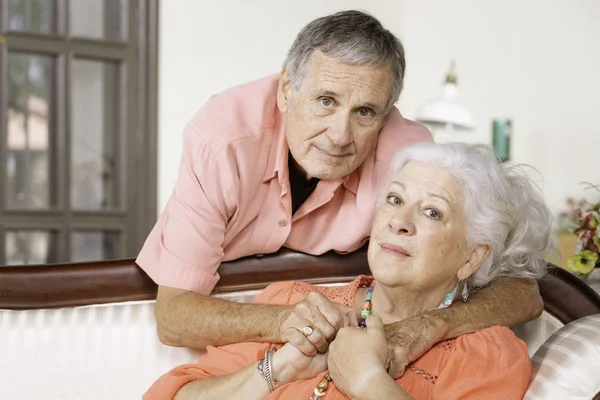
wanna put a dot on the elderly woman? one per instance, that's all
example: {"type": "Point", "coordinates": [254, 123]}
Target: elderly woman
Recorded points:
{"type": "Point", "coordinates": [450, 221]}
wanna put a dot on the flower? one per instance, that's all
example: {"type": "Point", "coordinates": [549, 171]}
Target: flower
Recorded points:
{"type": "Point", "coordinates": [587, 250]}
{"type": "Point", "coordinates": [583, 262]}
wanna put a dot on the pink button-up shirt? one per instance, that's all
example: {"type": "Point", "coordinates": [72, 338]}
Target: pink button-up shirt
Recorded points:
{"type": "Point", "coordinates": [232, 197]}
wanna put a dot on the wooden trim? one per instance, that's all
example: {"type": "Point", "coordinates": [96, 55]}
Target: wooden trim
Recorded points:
{"type": "Point", "coordinates": [78, 284]}
{"type": "Point", "coordinates": [567, 297]}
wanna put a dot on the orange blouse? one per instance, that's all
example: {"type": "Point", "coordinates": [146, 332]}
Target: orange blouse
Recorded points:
{"type": "Point", "coordinates": [489, 364]}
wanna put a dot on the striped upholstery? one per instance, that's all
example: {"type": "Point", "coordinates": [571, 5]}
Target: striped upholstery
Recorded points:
{"type": "Point", "coordinates": [567, 366]}
{"type": "Point", "coordinates": [109, 351]}
{"type": "Point", "coordinates": [97, 352]}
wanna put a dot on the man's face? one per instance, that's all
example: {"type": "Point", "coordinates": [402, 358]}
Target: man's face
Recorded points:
{"type": "Point", "coordinates": [334, 118]}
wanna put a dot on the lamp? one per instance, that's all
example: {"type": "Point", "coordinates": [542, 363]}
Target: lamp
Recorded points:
{"type": "Point", "coordinates": [445, 110]}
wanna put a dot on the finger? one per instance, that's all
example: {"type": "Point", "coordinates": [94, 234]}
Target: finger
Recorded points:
{"type": "Point", "coordinates": [374, 325]}
{"type": "Point", "coordinates": [334, 313]}
{"type": "Point", "coordinates": [396, 370]}
{"type": "Point", "coordinates": [322, 324]}
{"type": "Point", "coordinates": [318, 340]}
{"type": "Point", "coordinates": [299, 341]}
{"type": "Point", "coordinates": [352, 315]}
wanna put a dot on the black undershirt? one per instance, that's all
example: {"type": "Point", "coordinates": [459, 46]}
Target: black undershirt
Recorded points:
{"type": "Point", "coordinates": [300, 188]}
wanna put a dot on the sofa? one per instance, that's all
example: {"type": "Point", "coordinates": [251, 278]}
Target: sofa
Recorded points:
{"type": "Point", "coordinates": [87, 331]}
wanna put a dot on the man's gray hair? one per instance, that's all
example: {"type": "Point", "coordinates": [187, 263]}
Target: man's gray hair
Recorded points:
{"type": "Point", "coordinates": [352, 37]}
{"type": "Point", "coordinates": [503, 208]}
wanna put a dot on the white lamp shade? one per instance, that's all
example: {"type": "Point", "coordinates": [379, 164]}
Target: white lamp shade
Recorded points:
{"type": "Point", "coordinates": [445, 110]}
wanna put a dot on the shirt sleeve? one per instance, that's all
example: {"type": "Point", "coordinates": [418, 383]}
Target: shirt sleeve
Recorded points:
{"type": "Point", "coordinates": [185, 248]}
{"type": "Point", "coordinates": [489, 364]}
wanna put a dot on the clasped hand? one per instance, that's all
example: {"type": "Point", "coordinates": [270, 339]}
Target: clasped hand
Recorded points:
{"type": "Point", "coordinates": [353, 354]}
{"type": "Point", "coordinates": [324, 318]}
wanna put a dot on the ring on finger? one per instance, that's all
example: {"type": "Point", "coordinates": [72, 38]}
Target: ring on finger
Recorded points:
{"type": "Point", "coordinates": [307, 330]}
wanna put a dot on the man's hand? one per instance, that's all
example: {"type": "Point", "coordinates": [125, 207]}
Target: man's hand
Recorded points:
{"type": "Point", "coordinates": [410, 339]}
{"type": "Point", "coordinates": [324, 316]}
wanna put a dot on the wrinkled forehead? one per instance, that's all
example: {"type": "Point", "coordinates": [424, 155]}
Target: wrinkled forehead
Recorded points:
{"type": "Point", "coordinates": [365, 82]}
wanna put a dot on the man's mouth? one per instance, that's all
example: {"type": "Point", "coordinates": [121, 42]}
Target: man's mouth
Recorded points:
{"type": "Point", "coordinates": [332, 154]}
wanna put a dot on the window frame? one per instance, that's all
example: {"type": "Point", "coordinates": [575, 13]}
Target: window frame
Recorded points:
{"type": "Point", "coordinates": [135, 149]}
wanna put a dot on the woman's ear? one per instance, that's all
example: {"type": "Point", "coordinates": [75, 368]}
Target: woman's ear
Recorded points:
{"type": "Point", "coordinates": [283, 91]}
{"type": "Point", "coordinates": [472, 264]}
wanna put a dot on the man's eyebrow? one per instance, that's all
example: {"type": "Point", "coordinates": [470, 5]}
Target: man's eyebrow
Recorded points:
{"type": "Point", "coordinates": [325, 92]}
{"type": "Point", "coordinates": [330, 93]}
{"type": "Point", "coordinates": [370, 105]}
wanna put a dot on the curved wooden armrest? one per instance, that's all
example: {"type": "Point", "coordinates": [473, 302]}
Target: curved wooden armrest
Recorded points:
{"type": "Point", "coordinates": [78, 284]}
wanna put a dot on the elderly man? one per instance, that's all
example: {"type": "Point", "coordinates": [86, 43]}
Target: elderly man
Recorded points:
{"type": "Point", "coordinates": [296, 160]}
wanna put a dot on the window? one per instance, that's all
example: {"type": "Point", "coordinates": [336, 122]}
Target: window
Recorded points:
{"type": "Point", "coordinates": [77, 129]}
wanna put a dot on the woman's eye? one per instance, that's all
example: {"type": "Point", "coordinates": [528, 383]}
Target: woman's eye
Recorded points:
{"type": "Point", "coordinates": [326, 101]}
{"type": "Point", "coordinates": [394, 200]}
{"type": "Point", "coordinates": [433, 213]}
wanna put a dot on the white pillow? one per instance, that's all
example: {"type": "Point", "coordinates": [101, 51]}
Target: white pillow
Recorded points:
{"type": "Point", "coordinates": [567, 366]}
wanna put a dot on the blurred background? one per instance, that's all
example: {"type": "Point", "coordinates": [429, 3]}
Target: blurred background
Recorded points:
{"type": "Point", "coordinates": [94, 95]}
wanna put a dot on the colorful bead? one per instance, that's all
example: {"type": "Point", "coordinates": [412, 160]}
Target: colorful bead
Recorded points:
{"type": "Point", "coordinates": [362, 323]}
{"type": "Point", "coordinates": [367, 305]}
{"type": "Point", "coordinates": [323, 385]}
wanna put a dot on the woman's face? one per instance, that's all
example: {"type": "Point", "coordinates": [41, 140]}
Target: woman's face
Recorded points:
{"type": "Point", "coordinates": [419, 231]}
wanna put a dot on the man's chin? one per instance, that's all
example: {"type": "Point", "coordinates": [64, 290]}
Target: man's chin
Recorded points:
{"type": "Point", "coordinates": [328, 172]}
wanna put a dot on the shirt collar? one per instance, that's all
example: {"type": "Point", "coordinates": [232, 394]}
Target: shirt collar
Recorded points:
{"type": "Point", "coordinates": [278, 153]}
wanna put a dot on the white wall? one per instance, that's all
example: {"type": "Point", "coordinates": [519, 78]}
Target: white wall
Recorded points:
{"type": "Point", "coordinates": [535, 62]}
{"type": "Point", "coordinates": [208, 46]}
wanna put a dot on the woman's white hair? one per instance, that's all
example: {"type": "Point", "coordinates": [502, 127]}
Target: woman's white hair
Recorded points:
{"type": "Point", "coordinates": [503, 208]}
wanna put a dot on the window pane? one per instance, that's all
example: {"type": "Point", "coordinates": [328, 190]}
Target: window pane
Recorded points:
{"type": "Point", "coordinates": [94, 130]}
{"type": "Point", "coordinates": [31, 16]}
{"type": "Point", "coordinates": [99, 19]}
{"type": "Point", "coordinates": [31, 247]}
{"type": "Point", "coordinates": [94, 246]}
{"type": "Point", "coordinates": [30, 132]}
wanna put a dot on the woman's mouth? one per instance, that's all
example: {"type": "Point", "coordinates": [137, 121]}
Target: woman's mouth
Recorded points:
{"type": "Point", "coordinates": [396, 251]}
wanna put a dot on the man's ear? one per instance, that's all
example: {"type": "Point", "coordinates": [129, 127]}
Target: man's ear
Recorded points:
{"type": "Point", "coordinates": [476, 257]}
{"type": "Point", "coordinates": [284, 89]}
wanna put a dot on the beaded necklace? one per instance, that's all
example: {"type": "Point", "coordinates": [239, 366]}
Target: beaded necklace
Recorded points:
{"type": "Point", "coordinates": [321, 388]}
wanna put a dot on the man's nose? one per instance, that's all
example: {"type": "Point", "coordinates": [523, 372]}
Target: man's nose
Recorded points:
{"type": "Point", "coordinates": [401, 223]}
{"type": "Point", "coordinates": [340, 133]}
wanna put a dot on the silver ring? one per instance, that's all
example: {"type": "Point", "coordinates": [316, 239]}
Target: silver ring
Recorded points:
{"type": "Point", "coordinates": [307, 330]}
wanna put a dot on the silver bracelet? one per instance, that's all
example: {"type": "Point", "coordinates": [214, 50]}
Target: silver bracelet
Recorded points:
{"type": "Point", "coordinates": [265, 369]}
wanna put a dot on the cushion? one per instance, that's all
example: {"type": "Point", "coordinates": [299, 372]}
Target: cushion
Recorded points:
{"type": "Point", "coordinates": [567, 366]}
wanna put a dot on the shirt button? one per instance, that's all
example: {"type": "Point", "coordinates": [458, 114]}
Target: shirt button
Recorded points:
{"type": "Point", "coordinates": [283, 222]}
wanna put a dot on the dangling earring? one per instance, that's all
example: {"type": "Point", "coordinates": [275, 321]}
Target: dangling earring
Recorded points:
{"type": "Point", "coordinates": [449, 298]}
{"type": "Point", "coordinates": [465, 291]}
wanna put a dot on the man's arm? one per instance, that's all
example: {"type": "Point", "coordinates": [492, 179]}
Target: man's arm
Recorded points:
{"type": "Point", "coordinates": [189, 319]}
{"type": "Point", "coordinates": [506, 302]}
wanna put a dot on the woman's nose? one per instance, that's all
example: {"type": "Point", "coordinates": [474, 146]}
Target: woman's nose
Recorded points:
{"type": "Point", "coordinates": [401, 223]}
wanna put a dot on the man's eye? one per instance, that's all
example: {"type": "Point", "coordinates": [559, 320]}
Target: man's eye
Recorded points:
{"type": "Point", "coordinates": [365, 112]}
{"type": "Point", "coordinates": [433, 213]}
{"type": "Point", "coordinates": [326, 101]}
{"type": "Point", "coordinates": [394, 200]}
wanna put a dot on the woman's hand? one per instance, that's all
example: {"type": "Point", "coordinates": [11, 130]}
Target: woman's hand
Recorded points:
{"type": "Point", "coordinates": [324, 318]}
{"type": "Point", "coordinates": [290, 364]}
{"type": "Point", "coordinates": [357, 356]}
